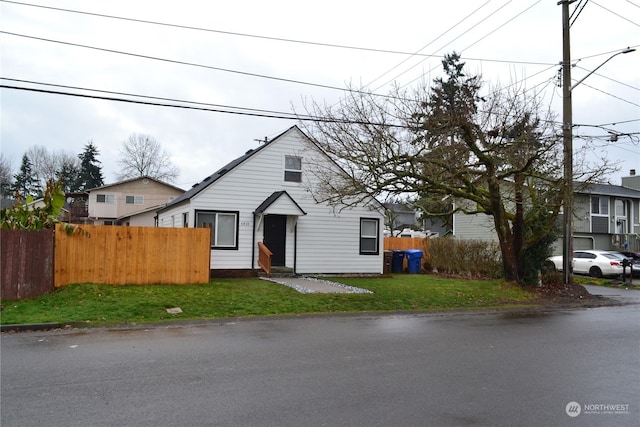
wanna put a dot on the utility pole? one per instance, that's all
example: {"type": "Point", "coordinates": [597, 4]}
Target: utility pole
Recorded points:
{"type": "Point", "coordinates": [567, 138]}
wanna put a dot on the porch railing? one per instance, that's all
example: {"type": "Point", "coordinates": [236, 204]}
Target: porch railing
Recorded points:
{"type": "Point", "coordinates": [629, 242]}
{"type": "Point", "coordinates": [264, 258]}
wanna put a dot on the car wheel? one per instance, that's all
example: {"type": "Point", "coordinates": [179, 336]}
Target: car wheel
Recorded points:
{"type": "Point", "coordinates": [549, 266]}
{"type": "Point", "coordinates": [595, 272]}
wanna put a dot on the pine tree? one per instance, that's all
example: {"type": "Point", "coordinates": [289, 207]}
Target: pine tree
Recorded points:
{"type": "Point", "coordinates": [90, 175]}
{"type": "Point", "coordinates": [68, 174]}
{"type": "Point", "coordinates": [25, 182]}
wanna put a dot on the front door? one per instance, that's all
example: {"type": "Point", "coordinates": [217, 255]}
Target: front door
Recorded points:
{"type": "Point", "coordinates": [275, 228]}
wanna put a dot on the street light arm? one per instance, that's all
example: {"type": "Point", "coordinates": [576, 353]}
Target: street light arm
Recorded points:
{"type": "Point", "coordinates": [627, 50]}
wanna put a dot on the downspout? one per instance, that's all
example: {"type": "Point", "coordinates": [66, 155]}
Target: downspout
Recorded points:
{"type": "Point", "coordinates": [295, 247]}
{"type": "Point", "coordinates": [253, 243]}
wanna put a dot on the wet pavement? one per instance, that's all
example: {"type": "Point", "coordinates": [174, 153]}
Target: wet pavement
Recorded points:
{"type": "Point", "coordinates": [529, 368]}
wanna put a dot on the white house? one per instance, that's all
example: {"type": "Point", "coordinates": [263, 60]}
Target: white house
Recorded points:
{"type": "Point", "coordinates": [266, 196]}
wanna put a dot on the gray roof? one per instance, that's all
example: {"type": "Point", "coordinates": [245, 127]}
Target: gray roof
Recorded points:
{"type": "Point", "coordinates": [131, 180]}
{"type": "Point", "coordinates": [606, 190]}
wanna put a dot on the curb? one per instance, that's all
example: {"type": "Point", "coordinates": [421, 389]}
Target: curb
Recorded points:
{"type": "Point", "coordinates": [30, 327]}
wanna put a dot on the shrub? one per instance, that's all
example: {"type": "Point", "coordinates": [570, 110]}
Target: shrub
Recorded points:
{"type": "Point", "coordinates": [466, 257]}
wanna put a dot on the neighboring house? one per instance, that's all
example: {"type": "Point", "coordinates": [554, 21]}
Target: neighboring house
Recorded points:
{"type": "Point", "coordinates": [130, 202]}
{"type": "Point", "coordinates": [605, 217]}
{"type": "Point", "coordinates": [266, 196]}
{"type": "Point", "coordinates": [400, 216]}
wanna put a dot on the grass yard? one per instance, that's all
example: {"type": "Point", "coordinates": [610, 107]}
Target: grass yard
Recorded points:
{"type": "Point", "coordinates": [103, 305]}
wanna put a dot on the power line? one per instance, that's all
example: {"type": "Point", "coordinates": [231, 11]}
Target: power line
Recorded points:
{"type": "Point", "coordinates": [232, 33]}
{"type": "Point", "coordinates": [294, 116]}
{"type": "Point", "coordinates": [609, 78]}
{"type": "Point", "coordinates": [612, 95]}
{"type": "Point", "coordinates": [617, 14]}
{"type": "Point", "coordinates": [427, 45]}
{"type": "Point", "coordinates": [254, 113]}
{"type": "Point", "coordinates": [482, 38]}
{"type": "Point", "coordinates": [192, 64]}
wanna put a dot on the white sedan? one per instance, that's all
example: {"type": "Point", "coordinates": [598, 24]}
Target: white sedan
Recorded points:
{"type": "Point", "coordinates": [595, 263]}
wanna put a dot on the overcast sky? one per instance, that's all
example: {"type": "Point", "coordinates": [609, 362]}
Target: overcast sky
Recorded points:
{"type": "Point", "coordinates": [505, 41]}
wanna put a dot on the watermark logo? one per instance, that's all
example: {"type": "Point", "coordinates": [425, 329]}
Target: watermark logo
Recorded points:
{"type": "Point", "coordinates": [573, 409]}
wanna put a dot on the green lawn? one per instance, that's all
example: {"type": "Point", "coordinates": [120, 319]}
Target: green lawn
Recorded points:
{"type": "Point", "coordinates": [101, 305]}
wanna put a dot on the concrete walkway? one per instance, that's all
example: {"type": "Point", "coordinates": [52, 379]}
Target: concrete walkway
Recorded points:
{"type": "Point", "coordinates": [310, 285]}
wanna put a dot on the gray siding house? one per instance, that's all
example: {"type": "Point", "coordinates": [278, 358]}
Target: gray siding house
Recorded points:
{"type": "Point", "coordinates": [605, 217]}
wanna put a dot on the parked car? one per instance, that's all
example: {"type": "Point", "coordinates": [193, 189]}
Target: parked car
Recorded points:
{"type": "Point", "coordinates": [596, 263]}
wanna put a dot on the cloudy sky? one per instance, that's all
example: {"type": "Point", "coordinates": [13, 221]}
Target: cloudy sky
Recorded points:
{"type": "Point", "coordinates": [268, 57]}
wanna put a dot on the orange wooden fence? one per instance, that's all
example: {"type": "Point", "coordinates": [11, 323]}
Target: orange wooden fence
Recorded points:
{"type": "Point", "coordinates": [404, 243]}
{"type": "Point", "coordinates": [132, 255]}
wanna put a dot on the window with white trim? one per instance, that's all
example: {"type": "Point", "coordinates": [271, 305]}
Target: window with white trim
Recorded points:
{"type": "Point", "coordinates": [292, 169]}
{"type": "Point", "coordinates": [599, 205]}
{"type": "Point", "coordinates": [105, 198]}
{"type": "Point", "coordinates": [369, 236]}
{"type": "Point", "coordinates": [134, 200]}
{"type": "Point", "coordinates": [223, 225]}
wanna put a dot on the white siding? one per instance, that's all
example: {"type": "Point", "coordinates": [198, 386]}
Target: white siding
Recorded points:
{"type": "Point", "coordinates": [327, 241]}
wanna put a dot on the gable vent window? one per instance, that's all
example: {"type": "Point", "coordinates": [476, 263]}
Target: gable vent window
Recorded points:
{"type": "Point", "coordinates": [105, 198]}
{"type": "Point", "coordinates": [134, 200]}
{"type": "Point", "coordinates": [292, 169]}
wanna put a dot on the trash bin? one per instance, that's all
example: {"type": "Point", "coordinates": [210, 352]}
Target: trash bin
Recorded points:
{"type": "Point", "coordinates": [414, 260]}
{"type": "Point", "coordinates": [388, 261]}
{"type": "Point", "coordinates": [398, 260]}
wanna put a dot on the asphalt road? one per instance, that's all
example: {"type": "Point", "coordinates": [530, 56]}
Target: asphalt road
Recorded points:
{"type": "Point", "coordinates": [493, 369]}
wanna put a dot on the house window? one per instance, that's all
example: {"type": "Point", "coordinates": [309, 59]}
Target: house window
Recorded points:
{"type": "Point", "coordinates": [369, 236]}
{"type": "Point", "coordinates": [223, 225]}
{"type": "Point", "coordinates": [599, 205]}
{"type": "Point", "coordinates": [292, 169]}
{"type": "Point", "coordinates": [185, 219]}
{"type": "Point", "coordinates": [105, 198]}
{"type": "Point", "coordinates": [621, 207]}
{"type": "Point", "coordinates": [134, 200]}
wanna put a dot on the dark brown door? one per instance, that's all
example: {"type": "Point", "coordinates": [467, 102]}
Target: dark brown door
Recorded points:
{"type": "Point", "coordinates": [275, 228]}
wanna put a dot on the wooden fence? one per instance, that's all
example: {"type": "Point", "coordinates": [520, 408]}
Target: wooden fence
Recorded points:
{"type": "Point", "coordinates": [26, 263]}
{"type": "Point", "coordinates": [404, 243]}
{"type": "Point", "coordinates": [132, 255]}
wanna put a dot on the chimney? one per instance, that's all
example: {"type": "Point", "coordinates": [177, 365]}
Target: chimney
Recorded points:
{"type": "Point", "coordinates": [632, 172]}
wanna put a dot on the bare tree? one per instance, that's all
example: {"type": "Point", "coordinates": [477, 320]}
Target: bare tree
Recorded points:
{"type": "Point", "coordinates": [497, 154]}
{"type": "Point", "coordinates": [6, 176]}
{"type": "Point", "coordinates": [47, 165]}
{"type": "Point", "coordinates": [141, 155]}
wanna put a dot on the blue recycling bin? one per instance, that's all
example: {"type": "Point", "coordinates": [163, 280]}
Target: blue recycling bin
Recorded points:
{"type": "Point", "coordinates": [414, 260]}
{"type": "Point", "coordinates": [397, 261]}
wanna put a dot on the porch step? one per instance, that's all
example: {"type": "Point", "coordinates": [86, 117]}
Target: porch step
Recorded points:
{"type": "Point", "coordinates": [280, 272]}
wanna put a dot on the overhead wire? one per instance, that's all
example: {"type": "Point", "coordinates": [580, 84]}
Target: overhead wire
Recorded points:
{"type": "Point", "coordinates": [232, 33]}
{"type": "Point", "coordinates": [192, 64]}
{"type": "Point", "coordinates": [616, 14]}
{"type": "Point", "coordinates": [265, 37]}
{"type": "Point", "coordinates": [428, 44]}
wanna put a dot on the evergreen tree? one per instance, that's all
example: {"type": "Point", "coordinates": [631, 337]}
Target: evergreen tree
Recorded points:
{"type": "Point", "coordinates": [90, 174]}
{"type": "Point", "coordinates": [68, 174]}
{"type": "Point", "coordinates": [25, 183]}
